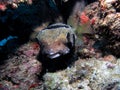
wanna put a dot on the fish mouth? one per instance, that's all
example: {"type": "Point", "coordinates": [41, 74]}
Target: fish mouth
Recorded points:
{"type": "Point", "coordinates": [57, 55]}
{"type": "Point", "coordinates": [53, 56]}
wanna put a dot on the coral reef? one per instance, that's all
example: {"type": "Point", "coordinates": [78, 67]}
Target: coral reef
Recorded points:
{"type": "Point", "coordinates": [96, 73]}
{"type": "Point", "coordinates": [102, 23]}
{"type": "Point", "coordinates": [107, 27]}
{"type": "Point", "coordinates": [91, 74]}
{"type": "Point", "coordinates": [21, 70]}
{"type": "Point", "coordinates": [56, 62]}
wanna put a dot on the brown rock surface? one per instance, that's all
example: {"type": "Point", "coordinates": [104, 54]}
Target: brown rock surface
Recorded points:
{"type": "Point", "coordinates": [21, 70]}
{"type": "Point", "coordinates": [105, 21]}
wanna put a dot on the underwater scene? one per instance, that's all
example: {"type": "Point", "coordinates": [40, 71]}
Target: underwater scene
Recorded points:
{"type": "Point", "coordinates": [59, 44]}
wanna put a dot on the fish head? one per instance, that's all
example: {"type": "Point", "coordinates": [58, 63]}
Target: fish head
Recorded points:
{"type": "Point", "coordinates": [56, 43]}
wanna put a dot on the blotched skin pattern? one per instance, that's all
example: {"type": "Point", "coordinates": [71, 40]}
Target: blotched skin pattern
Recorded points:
{"type": "Point", "coordinates": [56, 40]}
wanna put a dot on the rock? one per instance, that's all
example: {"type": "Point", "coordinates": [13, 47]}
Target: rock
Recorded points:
{"type": "Point", "coordinates": [91, 74]}
{"type": "Point", "coordinates": [21, 70]}
{"type": "Point", "coordinates": [107, 26]}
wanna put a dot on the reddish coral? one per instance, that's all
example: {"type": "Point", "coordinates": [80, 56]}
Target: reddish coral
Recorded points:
{"type": "Point", "coordinates": [84, 18]}
{"type": "Point", "coordinates": [2, 7]}
{"type": "Point", "coordinates": [1, 85]}
{"type": "Point", "coordinates": [33, 86]}
{"type": "Point", "coordinates": [92, 21]}
{"type": "Point", "coordinates": [35, 46]}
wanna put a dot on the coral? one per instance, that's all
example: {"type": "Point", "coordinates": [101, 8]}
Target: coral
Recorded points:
{"type": "Point", "coordinates": [88, 74]}
{"type": "Point", "coordinates": [108, 26]}
{"type": "Point", "coordinates": [105, 23]}
{"type": "Point", "coordinates": [83, 18]}
{"type": "Point", "coordinates": [21, 70]}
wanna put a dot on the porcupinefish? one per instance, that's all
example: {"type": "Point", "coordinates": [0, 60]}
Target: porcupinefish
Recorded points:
{"type": "Point", "coordinates": [56, 40]}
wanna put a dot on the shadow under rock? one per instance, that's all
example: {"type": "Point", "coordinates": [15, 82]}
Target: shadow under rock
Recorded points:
{"type": "Point", "coordinates": [9, 48]}
{"type": "Point", "coordinates": [60, 63]}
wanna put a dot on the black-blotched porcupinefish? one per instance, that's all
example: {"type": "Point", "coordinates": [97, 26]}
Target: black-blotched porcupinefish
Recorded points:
{"type": "Point", "coordinates": [56, 40]}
